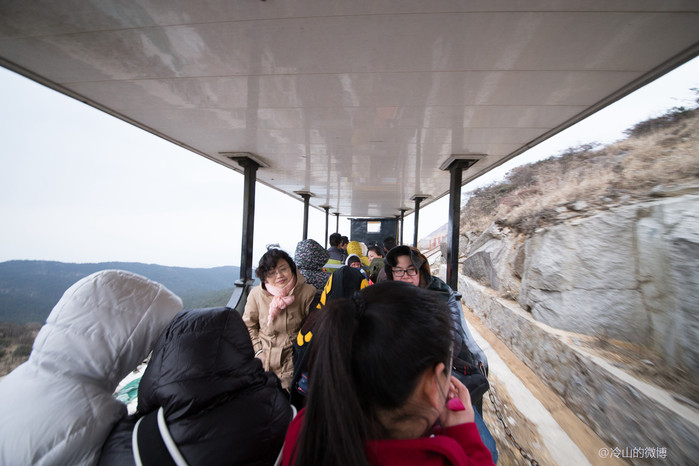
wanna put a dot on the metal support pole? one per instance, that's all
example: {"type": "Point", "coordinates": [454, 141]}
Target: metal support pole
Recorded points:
{"type": "Point", "coordinates": [337, 221]}
{"type": "Point", "coordinates": [455, 165]}
{"type": "Point", "coordinates": [250, 172]}
{"type": "Point", "coordinates": [306, 196]}
{"type": "Point", "coordinates": [402, 223]}
{"type": "Point", "coordinates": [418, 198]}
{"type": "Point", "coordinates": [398, 226]}
{"type": "Point", "coordinates": [454, 225]}
{"type": "Point", "coordinates": [250, 164]}
{"type": "Point", "coordinates": [326, 207]}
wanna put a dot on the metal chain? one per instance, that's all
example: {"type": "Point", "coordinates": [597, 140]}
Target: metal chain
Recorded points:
{"type": "Point", "coordinates": [498, 413]}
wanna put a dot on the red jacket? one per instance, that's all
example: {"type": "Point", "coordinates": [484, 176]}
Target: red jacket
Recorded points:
{"type": "Point", "coordinates": [457, 445]}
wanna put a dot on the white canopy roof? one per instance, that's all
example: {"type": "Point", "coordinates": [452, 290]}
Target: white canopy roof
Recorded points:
{"type": "Point", "coordinates": [358, 102]}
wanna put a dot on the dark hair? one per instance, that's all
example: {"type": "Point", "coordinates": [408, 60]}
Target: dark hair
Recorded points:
{"type": "Point", "coordinates": [418, 260]}
{"type": "Point", "coordinates": [368, 354]}
{"type": "Point", "coordinates": [389, 243]}
{"type": "Point", "coordinates": [269, 260]}
{"type": "Point", "coordinates": [353, 258]}
{"type": "Point", "coordinates": [378, 250]}
{"type": "Point", "coordinates": [345, 240]}
{"type": "Point", "coordinates": [335, 239]}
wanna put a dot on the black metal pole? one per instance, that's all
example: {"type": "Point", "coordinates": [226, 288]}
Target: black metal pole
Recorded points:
{"type": "Point", "coordinates": [456, 165]}
{"type": "Point", "coordinates": [306, 196]}
{"type": "Point", "coordinates": [418, 200]}
{"type": "Point", "coordinates": [326, 208]}
{"type": "Point", "coordinates": [250, 172]}
{"type": "Point", "coordinates": [402, 224]}
{"type": "Point", "coordinates": [306, 199]}
{"type": "Point", "coordinates": [337, 222]}
{"type": "Point", "coordinates": [455, 171]}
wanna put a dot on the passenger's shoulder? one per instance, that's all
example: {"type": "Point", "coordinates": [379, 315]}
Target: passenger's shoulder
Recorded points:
{"type": "Point", "coordinates": [437, 284]}
{"type": "Point", "coordinates": [307, 290]}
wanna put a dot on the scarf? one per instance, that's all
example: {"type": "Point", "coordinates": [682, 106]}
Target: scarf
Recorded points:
{"type": "Point", "coordinates": [282, 298]}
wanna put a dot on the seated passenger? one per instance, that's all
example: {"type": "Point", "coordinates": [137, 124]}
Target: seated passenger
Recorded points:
{"type": "Point", "coordinates": [310, 257]}
{"type": "Point", "coordinates": [353, 261]}
{"type": "Point", "coordinates": [59, 406]}
{"type": "Point", "coordinates": [341, 284]}
{"type": "Point", "coordinates": [380, 386]}
{"type": "Point", "coordinates": [216, 401]}
{"type": "Point", "coordinates": [389, 243]}
{"type": "Point", "coordinates": [355, 247]}
{"type": "Point", "coordinates": [335, 251]}
{"type": "Point", "coordinates": [375, 255]}
{"type": "Point", "coordinates": [408, 264]}
{"type": "Point", "coordinates": [374, 252]}
{"type": "Point", "coordinates": [275, 311]}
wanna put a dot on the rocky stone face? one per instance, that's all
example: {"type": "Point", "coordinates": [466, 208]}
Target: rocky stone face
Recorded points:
{"type": "Point", "coordinates": [620, 408]}
{"type": "Point", "coordinates": [492, 260]}
{"type": "Point", "coordinates": [465, 239]}
{"type": "Point", "coordinates": [630, 273]}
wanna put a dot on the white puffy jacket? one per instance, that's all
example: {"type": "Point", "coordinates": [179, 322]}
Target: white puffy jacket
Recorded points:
{"type": "Point", "coordinates": [58, 407]}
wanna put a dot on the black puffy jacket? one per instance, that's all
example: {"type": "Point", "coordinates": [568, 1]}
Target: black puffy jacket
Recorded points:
{"type": "Point", "coordinates": [219, 404]}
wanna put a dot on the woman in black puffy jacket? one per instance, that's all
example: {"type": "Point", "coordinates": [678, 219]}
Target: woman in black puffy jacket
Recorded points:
{"type": "Point", "coordinates": [218, 404]}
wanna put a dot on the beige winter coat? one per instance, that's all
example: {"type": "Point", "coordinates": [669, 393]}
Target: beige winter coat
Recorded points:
{"type": "Point", "coordinates": [276, 341]}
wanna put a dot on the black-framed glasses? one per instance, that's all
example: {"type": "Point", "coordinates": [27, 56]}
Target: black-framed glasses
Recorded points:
{"type": "Point", "coordinates": [399, 273]}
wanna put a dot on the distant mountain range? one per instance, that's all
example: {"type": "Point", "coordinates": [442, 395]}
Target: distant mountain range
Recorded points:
{"type": "Point", "coordinates": [30, 289]}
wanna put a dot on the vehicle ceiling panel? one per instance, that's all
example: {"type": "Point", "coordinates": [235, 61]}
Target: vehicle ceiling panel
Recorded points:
{"type": "Point", "coordinates": [359, 102]}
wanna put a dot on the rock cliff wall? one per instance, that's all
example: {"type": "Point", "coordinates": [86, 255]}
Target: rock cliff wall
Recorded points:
{"type": "Point", "coordinates": [630, 273]}
{"type": "Point", "coordinates": [604, 307]}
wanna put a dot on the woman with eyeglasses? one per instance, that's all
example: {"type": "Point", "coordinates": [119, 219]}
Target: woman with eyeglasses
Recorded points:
{"type": "Point", "coordinates": [409, 265]}
{"type": "Point", "coordinates": [275, 311]}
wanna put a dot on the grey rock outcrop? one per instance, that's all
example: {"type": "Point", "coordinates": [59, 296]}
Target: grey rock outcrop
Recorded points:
{"type": "Point", "coordinates": [622, 409]}
{"type": "Point", "coordinates": [465, 240]}
{"type": "Point", "coordinates": [492, 260]}
{"type": "Point", "coordinates": [630, 273]}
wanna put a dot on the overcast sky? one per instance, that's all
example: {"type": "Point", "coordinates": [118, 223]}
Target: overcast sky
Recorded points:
{"type": "Point", "coordinates": [78, 185]}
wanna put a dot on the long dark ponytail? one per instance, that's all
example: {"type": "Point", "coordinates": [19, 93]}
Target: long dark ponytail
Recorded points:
{"type": "Point", "coordinates": [368, 354]}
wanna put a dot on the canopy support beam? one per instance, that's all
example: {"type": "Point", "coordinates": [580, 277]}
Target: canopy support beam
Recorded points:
{"type": "Point", "coordinates": [306, 196]}
{"type": "Point", "coordinates": [326, 208]}
{"type": "Point", "coordinates": [418, 198]}
{"type": "Point", "coordinates": [244, 283]}
{"type": "Point", "coordinates": [402, 223]}
{"type": "Point", "coordinates": [456, 164]}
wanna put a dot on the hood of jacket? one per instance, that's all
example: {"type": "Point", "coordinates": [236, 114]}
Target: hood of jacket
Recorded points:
{"type": "Point", "coordinates": [342, 284]}
{"type": "Point", "coordinates": [310, 255]}
{"type": "Point", "coordinates": [219, 404]}
{"type": "Point", "coordinates": [353, 247]}
{"type": "Point", "coordinates": [438, 285]}
{"type": "Point", "coordinates": [351, 256]}
{"type": "Point", "coordinates": [58, 407]}
{"type": "Point", "coordinates": [204, 355]}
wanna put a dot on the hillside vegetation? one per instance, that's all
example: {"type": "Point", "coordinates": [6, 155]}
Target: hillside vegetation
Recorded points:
{"type": "Point", "coordinates": [30, 289]}
{"type": "Point", "coordinates": [661, 152]}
